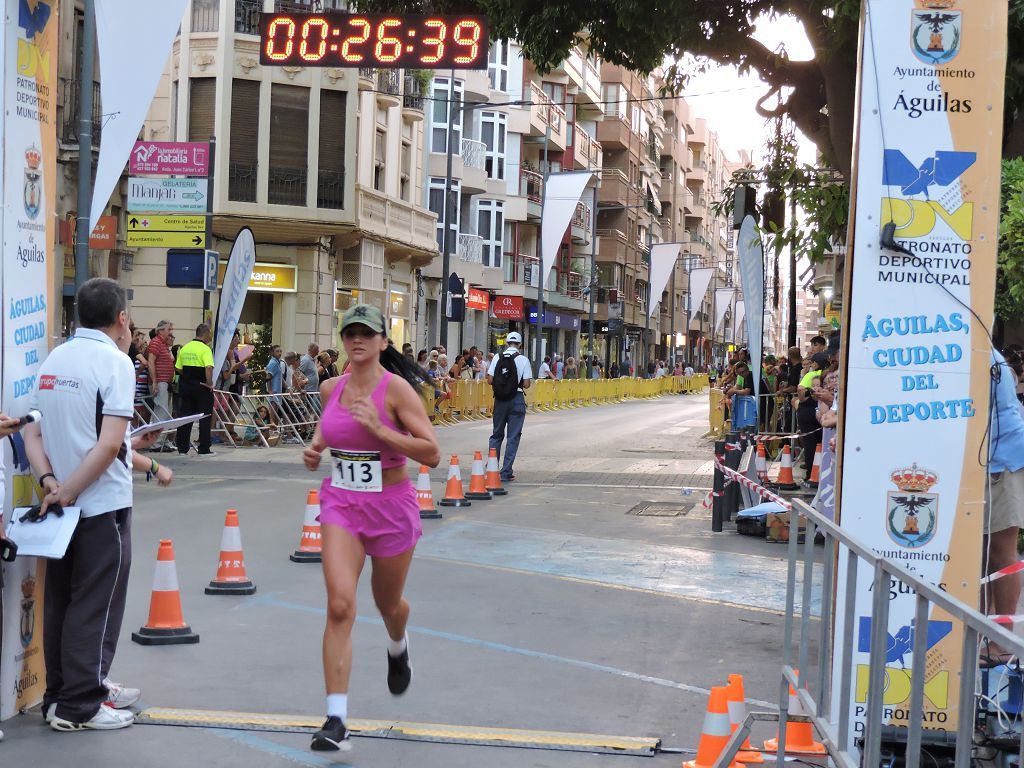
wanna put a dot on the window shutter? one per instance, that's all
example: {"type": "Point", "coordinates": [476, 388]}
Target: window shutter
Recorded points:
{"type": "Point", "coordinates": [245, 120]}
{"type": "Point", "coordinates": [201, 98]}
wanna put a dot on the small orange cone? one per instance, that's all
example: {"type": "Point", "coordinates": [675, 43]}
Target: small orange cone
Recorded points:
{"type": "Point", "coordinates": [477, 485]}
{"type": "Point", "coordinates": [715, 733]}
{"type": "Point", "coordinates": [785, 479]}
{"type": "Point", "coordinates": [309, 542]}
{"type": "Point", "coordinates": [453, 496]}
{"type": "Point", "coordinates": [494, 475]}
{"type": "Point", "coordinates": [231, 578]}
{"type": "Point", "coordinates": [761, 463]}
{"type": "Point", "coordinates": [165, 625]}
{"type": "Point", "coordinates": [425, 496]}
{"type": "Point", "coordinates": [799, 736]}
{"type": "Point", "coordinates": [816, 466]}
{"type": "Point", "coordinates": [737, 714]}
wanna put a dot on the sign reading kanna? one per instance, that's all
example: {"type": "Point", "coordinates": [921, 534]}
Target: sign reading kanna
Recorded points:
{"type": "Point", "coordinates": [915, 394]}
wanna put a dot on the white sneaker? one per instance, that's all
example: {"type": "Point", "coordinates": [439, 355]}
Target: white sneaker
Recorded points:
{"type": "Point", "coordinates": [49, 713]}
{"type": "Point", "coordinates": [121, 697]}
{"type": "Point", "coordinates": [1, 735]}
{"type": "Point", "coordinates": [106, 719]}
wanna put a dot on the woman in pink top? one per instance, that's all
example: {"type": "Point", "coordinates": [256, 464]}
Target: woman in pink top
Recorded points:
{"type": "Point", "coordinates": [372, 421]}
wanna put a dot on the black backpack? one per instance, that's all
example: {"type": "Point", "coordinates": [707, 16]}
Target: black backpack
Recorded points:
{"type": "Point", "coordinates": [506, 377]}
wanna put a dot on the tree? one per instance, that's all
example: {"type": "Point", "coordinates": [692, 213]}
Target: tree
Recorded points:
{"type": "Point", "coordinates": [1010, 277]}
{"type": "Point", "coordinates": [641, 35]}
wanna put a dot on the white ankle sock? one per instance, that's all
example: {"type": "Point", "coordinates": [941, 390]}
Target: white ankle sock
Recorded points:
{"type": "Point", "coordinates": [337, 705]}
{"type": "Point", "coordinates": [395, 647]}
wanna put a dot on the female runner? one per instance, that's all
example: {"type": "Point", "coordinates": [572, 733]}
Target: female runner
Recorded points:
{"type": "Point", "coordinates": [372, 419]}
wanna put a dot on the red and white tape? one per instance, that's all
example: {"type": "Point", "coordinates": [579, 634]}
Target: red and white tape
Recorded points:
{"type": "Point", "coordinates": [764, 493]}
{"type": "Point", "coordinates": [1006, 618]}
{"type": "Point", "coordinates": [1007, 571]}
{"type": "Point", "coordinates": [769, 438]}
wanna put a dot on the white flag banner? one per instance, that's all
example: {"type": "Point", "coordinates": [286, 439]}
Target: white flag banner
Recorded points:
{"type": "Point", "coordinates": [663, 261]}
{"type": "Point", "coordinates": [700, 279]}
{"type": "Point", "coordinates": [132, 63]}
{"type": "Point", "coordinates": [562, 191]}
{"type": "Point", "coordinates": [751, 257]}
{"type": "Point", "coordinates": [232, 293]}
{"type": "Point", "coordinates": [723, 300]}
{"type": "Point", "coordinates": [741, 313]}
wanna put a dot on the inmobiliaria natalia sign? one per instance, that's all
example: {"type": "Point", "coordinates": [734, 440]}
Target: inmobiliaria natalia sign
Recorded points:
{"type": "Point", "coordinates": [915, 392]}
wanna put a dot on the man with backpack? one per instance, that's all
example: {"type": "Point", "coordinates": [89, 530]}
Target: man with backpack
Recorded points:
{"type": "Point", "coordinates": [510, 375]}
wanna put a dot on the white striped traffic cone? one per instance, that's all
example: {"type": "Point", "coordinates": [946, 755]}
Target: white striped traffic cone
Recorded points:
{"type": "Point", "coordinates": [309, 542]}
{"type": "Point", "coordinates": [231, 578]}
{"type": "Point", "coordinates": [494, 475]}
{"type": "Point", "coordinates": [425, 495]}
{"type": "Point", "coordinates": [165, 625]}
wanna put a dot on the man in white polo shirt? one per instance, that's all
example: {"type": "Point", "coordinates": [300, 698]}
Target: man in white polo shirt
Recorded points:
{"type": "Point", "coordinates": [510, 375]}
{"type": "Point", "coordinates": [82, 457]}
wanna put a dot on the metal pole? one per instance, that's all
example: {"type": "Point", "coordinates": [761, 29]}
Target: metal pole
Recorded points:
{"type": "Point", "coordinates": [209, 222]}
{"type": "Point", "coordinates": [792, 275]}
{"type": "Point", "coordinates": [538, 349]}
{"type": "Point", "coordinates": [672, 321]}
{"type": "Point", "coordinates": [647, 306]}
{"type": "Point", "coordinates": [447, 237]}
{"type": "Point", "coordinates": [85, 86]}
{"type": "Point", "coordinates": [593, 281]}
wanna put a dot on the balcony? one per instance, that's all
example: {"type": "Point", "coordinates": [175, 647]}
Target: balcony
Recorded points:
{"type": "Point", "coordinates": [474, 166]}
{"type": "Point", "coordinates": [330, 189]}
{"type": "Point", "coordinates": [287, 186]}
{"type": "Point", "coordinates": [531, 186]}
{"type": "Point", "coordinates": [247, 16]}
{"type": "Point", "coordinates": [242, 182]}
{"type": "Point", "coordinates": [367, 78]}
{"type": "Point", "coordinates": [571, 284]}
{"type": "Point", "coordinates": [613, 247]}
{"type": "Point", "coordinates": [389, 88]}
{"type": "Point", "coordinates": [521, 269]}
{"type": "Point", "coordinates": [412, 99]}
{"type": "Point", "coordinates": [547, 119]}
{"type": "Point", "coordinates": [68, 94]}
{"type": "Point", "coordinates": [205, 16]}
{"type": "Point", "coordinates": [397, 222]}
{"type": "Point", "coordinates": [653, 151]}
{"type": "Point", "coordinates": [587, 151]}
{"type": "Point", "coordinates": [615, 187]}
{"type": "Point", "coordinates": [470, 248]}
{"type": "Point", "coordinates": [579, 229]}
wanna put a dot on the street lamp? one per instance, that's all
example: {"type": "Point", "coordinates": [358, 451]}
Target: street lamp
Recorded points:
{"type": "Point", "coordinates": [448, 214]}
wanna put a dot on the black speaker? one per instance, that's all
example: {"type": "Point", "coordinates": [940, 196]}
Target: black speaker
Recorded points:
{"type": "Point", "coordinates": [773, 212]}
{"type": "Point", "coordinates": [744, 204]}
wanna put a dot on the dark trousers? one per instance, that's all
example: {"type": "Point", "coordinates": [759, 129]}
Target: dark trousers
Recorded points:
{"type": "Point", "coordinates": [509, 416]}
{"type": "Point", "coordinates": [807, 421]}
{"type": "Point", "coordinates": [194, 399]}
{"type": "Point", "coordinates": [85, 596]}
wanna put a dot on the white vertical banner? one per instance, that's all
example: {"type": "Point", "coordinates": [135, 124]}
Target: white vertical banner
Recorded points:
{"type": "Point", "coordinates": [700, 279]}
{"type": "Point", "coordinates": [232, 294]}
{"type": "Point", "coordinates": [751, 257]}
{"type": "Point", "coordinates": [562, 191]}
{"type": "Point", "coordinates": [741, 313]}
{"type": "Point", "coordinates": [663, 260]}
{"type": "Point", "coordinates": [132, 60]}
{"type": "Point", "coordinates": [723, 301]}
{"type": "Point", "coordinates": [28, 268]}
{"type": "Point", "coordinates": [914, 405]}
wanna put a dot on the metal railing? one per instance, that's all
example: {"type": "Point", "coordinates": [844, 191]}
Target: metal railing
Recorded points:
{"type": "Point", "coordinates": [205, 16]}
{"type": "Point", "coordinates": [845, 554]}
{"type": "Point", "coordinates": [287, 186]}
{"type": "Point", "coordinates": [412, 98]}
{"type": "Point", "coordinates": [388, 81]}
{"type": "Point", "coordinates": [242, 182]}
{"type": "Point", "coordinates": [247, 16]}
{"type": "Point", "coordinates": [581, 217]}
{"type": "Point", "coordinates": [531, 185]}
{"type": "Point", "coordinates": [521, 269]}
{"type": "Point", "coordinates": [470, 248]}
{"type": "Point", "coordinates": [330, 189]}
{"type": "Point", "coordinates": [69, 93]}
{"type": "Point", "coordinates": [474, 154]}
{"type": "Point", "coordinates": [265, 420]}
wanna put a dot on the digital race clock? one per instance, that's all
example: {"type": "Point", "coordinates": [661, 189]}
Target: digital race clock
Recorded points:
{"type": "Point", "coordinates": [334, 39]}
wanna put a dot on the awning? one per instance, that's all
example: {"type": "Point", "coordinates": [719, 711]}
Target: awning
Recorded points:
{"type": "Point", "coordinates": [652, 198]}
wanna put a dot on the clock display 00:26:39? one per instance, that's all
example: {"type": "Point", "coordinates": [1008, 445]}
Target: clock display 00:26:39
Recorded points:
{"type": "Point", "coordinates": [333, 39]}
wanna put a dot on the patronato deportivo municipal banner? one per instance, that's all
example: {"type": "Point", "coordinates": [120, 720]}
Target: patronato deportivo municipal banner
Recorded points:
{"type": "Point", "coordinates": [29, 45]}
{"type": "Point", "coordinates": [916, 385]}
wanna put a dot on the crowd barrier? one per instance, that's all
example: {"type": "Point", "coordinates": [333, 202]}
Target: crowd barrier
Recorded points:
{"type": "Point", "coordinates": [776, 416]}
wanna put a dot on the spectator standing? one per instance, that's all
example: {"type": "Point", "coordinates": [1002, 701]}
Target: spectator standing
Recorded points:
{"type": "Point", "coordinates": [571, 372]}
{"type": "Point", "coordinates": [625, 368]}
{"type": "Point", "coordinates": [545, 369]}
{"type": "Point", "coordinates": [333, 369]}
{"type": "Point", "coordinates": [307, 364]}
{"type": "Point", "coordinates": [276, 370]}
{"type": "Point", "coordinates": [195, 388]}
{"type": "Point", "coordinates": [688, 370]}
{"type": "Point", "coordinates": [510, 376]}
{"type": "Point", "coordinates": [807, 409]}
{"type": "Point", "coordinates": [161, 374]}
{"type": "Point", "coordinates": [558, 369]}
{"type": "Point", "coordinates": [323, 366]}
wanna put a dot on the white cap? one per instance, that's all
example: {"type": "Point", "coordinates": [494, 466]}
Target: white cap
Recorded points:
{"type": "Point", "coordinates": [514, 338]}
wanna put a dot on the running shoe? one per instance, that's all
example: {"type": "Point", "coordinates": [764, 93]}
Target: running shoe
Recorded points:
{"type": "Point", "coordinates": [208, 453]}
{"type": "Point", "coordinates": [107, 719]}
{"type": "Point", "coordinates": [120, 697]}
{"type": "Point", "coordinates": [399, 673]}
{"type": "Point", "coordinates": [49, 712]}
{"type": "Point", "coordinates": [332, 737]}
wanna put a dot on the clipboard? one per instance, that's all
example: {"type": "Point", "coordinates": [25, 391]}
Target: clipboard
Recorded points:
{"type": "Point", "coordinates": [160, 426]}
{"type": "Point", "coordinates": [48, 538]}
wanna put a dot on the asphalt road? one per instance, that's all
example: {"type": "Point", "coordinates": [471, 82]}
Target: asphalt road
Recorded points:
{"type": "Point", "coordinates": [550, 609]}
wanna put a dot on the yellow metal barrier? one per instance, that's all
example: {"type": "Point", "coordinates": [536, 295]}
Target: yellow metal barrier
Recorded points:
{"type": "Point", "coordinates": [716, 414]}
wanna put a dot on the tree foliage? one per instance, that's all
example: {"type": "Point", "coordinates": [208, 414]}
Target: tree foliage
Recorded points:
{"type": "Point", "coordinates": [1010, 277]}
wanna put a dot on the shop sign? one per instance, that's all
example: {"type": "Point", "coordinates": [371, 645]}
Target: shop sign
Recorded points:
{"type": "Point", "coordinates": [477, 299]}
{"type": "Point", "coordinates": [556, 320]}
{"type": "Point", "coordinates": [508, 308]}
{"type": "Point", "coordinates": [273, 278]}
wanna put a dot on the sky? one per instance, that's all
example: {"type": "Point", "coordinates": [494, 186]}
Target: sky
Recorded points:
{"type": "Point", "coordinates": [728, 100]}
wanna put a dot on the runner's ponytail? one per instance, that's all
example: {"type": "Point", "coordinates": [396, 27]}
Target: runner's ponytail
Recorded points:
{"type": "Point", "coordinates": [402, 366]}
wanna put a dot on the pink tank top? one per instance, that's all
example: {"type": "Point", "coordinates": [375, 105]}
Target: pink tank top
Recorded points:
{"type": "Point", "coordinates": [342, 432]}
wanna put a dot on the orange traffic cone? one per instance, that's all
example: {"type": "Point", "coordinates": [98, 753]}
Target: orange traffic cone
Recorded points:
{"type": "Point", "coordinates": [477, 485]}
{"type": "Point", "coordinates": [493, 475]}
{"type": "Point", "coordinates": [761, 463]}
{"type": "Point", "coordinates": [816, 466]}
{"type": "Point", "coordinates": [309, 542]}
{"type": "Point", "coordinates": [785, 479]}
{"type": "Point", "coordinates": [165, 625]}
{"type": "Point", "coordinates": [715, 733]}
{"type": "Point", "coordinates": [737, 714]}
{"type": "Point", "coordinates": [453, 496]}
{"type": "Point", "coordinates": [799, 736]}
{"type": "Point", "coordinates": [425, 496]}
{"type": "Point", "coordinates": [231, 578]}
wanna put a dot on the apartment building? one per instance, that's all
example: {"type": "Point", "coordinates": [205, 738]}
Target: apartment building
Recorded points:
{"type": "Point", "coordinates": [510, 127]}
{"type": "Point", "coordinates": [323, 164]}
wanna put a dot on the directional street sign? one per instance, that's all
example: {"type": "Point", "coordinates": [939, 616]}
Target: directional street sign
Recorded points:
{"type": "Point", "coordinates": [167, 195]}
{"type": "Point", "coordinates": [166, 231]}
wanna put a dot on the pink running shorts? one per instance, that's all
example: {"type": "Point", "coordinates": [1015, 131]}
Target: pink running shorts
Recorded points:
{"type": "Point", "coordinates": [387, 523]}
